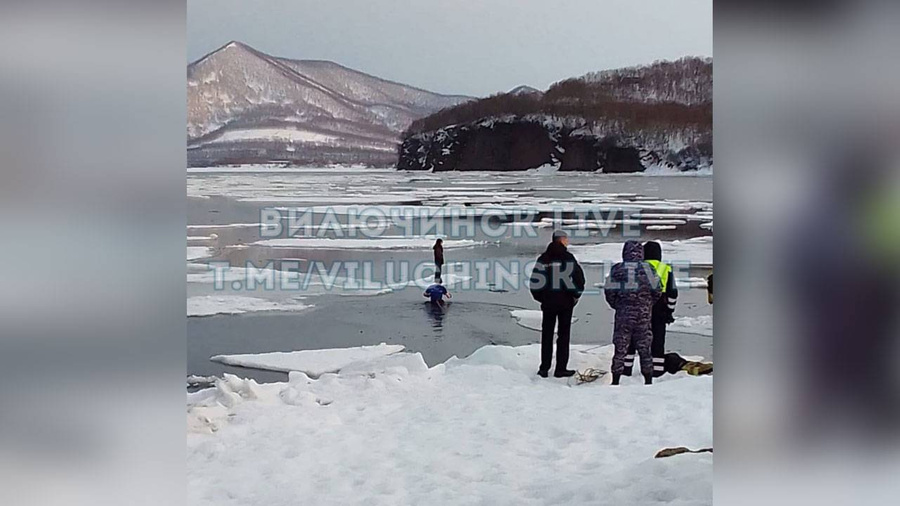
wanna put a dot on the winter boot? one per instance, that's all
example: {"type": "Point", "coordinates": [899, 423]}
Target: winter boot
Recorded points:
{"type": "Point", "coordinates": [615, 380]}
{"type": "Point", "coordinates": [565, 373]}
{"type": "Point", "coordinates": [648, 379]}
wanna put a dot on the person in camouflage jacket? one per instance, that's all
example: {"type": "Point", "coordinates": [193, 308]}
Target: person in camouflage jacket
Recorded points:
{"type": "Point", "coordinates": [631, 290]}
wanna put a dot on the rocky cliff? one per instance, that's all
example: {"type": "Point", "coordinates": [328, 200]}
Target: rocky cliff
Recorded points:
{"type": "Point", "coordinates": [624, 120]}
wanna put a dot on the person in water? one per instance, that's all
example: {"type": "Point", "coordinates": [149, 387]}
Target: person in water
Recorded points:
{"type": "Point", "coordinates": [631, 290]}
{"type": "Point", "coordinates": [436, 292]}
{"type": "Point", "coordinates": [662, 313]}
{"type": "Point", "coordinates": [557, 282]}
{"type": "Point", "coordinates": [438, 258]}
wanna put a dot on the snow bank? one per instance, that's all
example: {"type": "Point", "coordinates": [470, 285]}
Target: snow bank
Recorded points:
{"type": "Point", "coordinates": [480, 430]}
{"type": "Point", "coordinates": [208, 305]}
{"type": "Point", "coordinates": [312, 362]}
{"type": "Point", "coordinates": [698, 252]}
{"type": "Point", "coordinates": [700, 325]}
{"type": "Point", "coordinates": [529, 318]}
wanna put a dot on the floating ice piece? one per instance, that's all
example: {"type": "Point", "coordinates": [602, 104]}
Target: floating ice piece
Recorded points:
{"type": "Point", "coordinates": [228, 225]}
{"type": "Point", "coordinates": [311, 362]}
{"type": "Point", "coordinates": [691, 283]}
{"type": "Point", "coordinates": [208, 305]}
{"type": "Point", "coordinates": [696, 252]}
{"type": "Point", "coordinates": [383, 242]}
{"type": "Point", "coordinates": [663, 170]}
{"type": "Point", "coordinates": [343, 199]}
{"type": "Point", "coordinates": [529, 318]}
{"type": "Point", "coordinates": [198, 252]}
{"type": "Point", "coordinates": [547, 168]}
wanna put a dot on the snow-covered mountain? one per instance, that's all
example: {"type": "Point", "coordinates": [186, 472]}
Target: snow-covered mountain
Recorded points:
{"type": "Point", "coordinates": [245, 106]}
{"type": "Point", "coordinates": [525, 90]}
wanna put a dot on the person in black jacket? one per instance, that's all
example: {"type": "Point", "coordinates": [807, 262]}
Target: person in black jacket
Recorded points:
{"type": "Point", "coordinates": [557, 282]}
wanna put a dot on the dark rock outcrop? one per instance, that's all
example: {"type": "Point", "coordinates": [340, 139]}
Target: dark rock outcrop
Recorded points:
{"type": "Point", "coordinates": [521, 144]}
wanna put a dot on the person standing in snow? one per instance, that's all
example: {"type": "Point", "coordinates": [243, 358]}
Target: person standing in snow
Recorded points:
{"type": "Point", "coordinates": [557, 282]}
{"type": "Point", "coordinates": [662, 312]}
{"type": "Point", "coordinates": [631, 290]}
{"type": "Point", "coordinates": [438, 257]}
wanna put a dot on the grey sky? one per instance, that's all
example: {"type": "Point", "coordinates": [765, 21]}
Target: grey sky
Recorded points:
{"type": "Point", "coordinates": [473, 47]}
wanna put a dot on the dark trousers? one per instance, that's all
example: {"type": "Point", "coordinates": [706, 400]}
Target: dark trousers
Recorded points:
{"type": "Point", "coordinates": [553, 314]}
{"type": "Point", "coordinates": [657, 349]}
{"type": "Point", "coordinates": [438, 267]}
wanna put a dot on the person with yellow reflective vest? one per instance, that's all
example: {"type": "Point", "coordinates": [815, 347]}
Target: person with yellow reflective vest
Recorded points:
{"type": "Point", "coordinates": [662, 310]}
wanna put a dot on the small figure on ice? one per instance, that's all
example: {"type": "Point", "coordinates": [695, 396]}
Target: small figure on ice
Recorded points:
{"type": "Point", "coordinates": [438, 258]}
{"type": "Point", "coordinates": [436, 292]}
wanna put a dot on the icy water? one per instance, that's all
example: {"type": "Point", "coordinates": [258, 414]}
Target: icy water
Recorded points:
{"type": "Point", "coordinates": [224, 210]}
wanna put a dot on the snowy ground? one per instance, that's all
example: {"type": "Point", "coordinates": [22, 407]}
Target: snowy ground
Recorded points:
{"type": "Point", "coordinates": [483, 430]}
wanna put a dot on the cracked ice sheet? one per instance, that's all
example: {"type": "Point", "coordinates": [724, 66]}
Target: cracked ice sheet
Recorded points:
{"type": "Point", "coordinates": [478, 430]}
{"type": "Point", "coordinates": [697, 252]}
{"type": "Point", "coordinates": [311, 362]}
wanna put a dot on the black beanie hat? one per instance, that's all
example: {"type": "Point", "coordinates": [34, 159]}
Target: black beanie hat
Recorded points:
{"type": "Point", "coordinates": [652, 251]}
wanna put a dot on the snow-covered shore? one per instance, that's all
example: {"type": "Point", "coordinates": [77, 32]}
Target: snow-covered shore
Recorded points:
{"type": "Point", "coordinates": [481, 430]}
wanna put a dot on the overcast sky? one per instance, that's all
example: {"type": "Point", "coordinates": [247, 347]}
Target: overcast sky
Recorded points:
{"type": "Point", "coordinates": [472, 47]}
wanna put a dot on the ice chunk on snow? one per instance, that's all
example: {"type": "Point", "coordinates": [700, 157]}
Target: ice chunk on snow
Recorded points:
{"type": "Point", "coordinates": [312, 362]}
{"type": "Point", "coordinates": [529, 318]}
{"type": "Point", "coordinates": [208, 305]}
{"type": "Point", "coordinates": [700, 325]}
{"type": "Point", "coordinates": [401, 364]}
